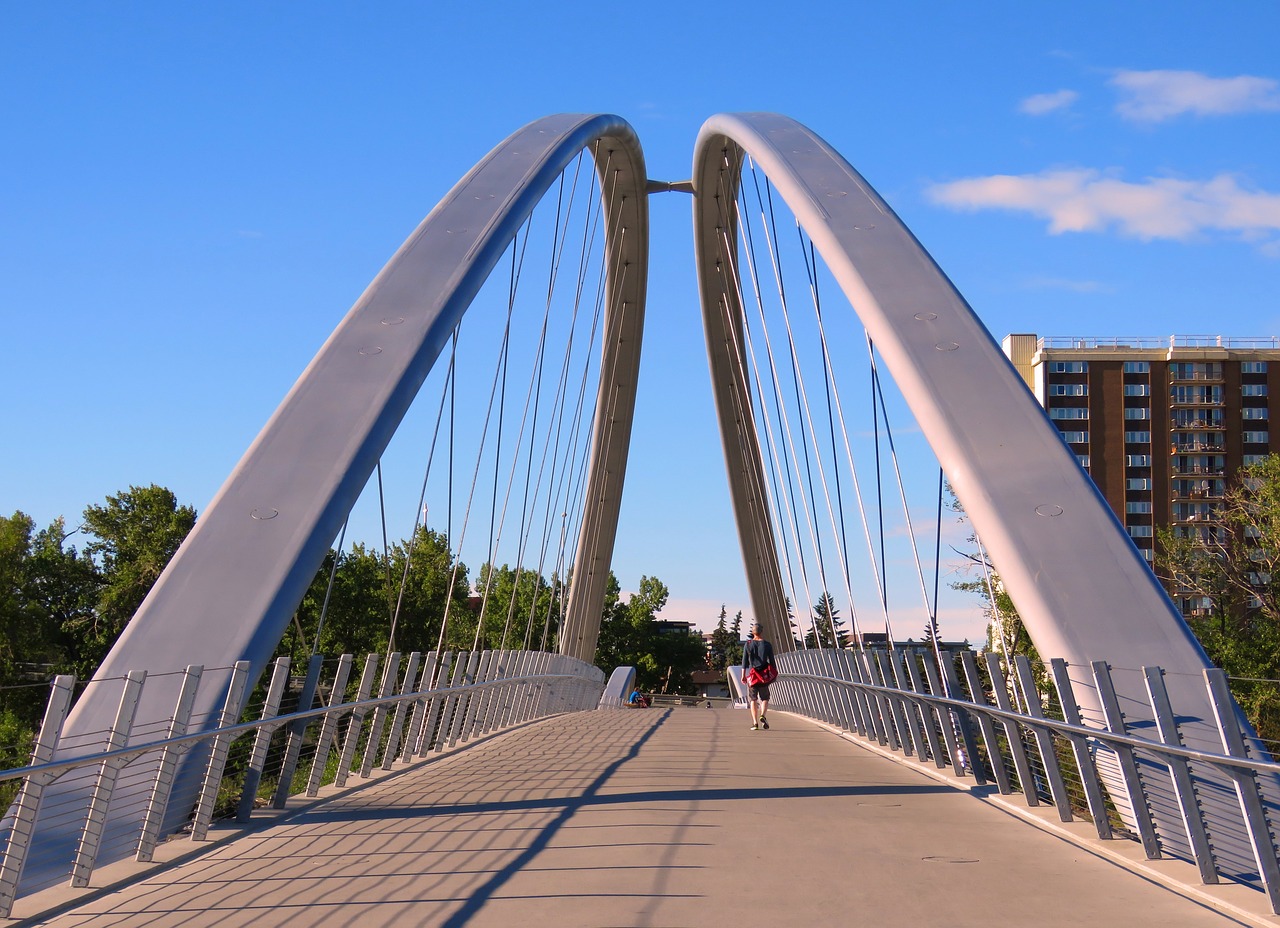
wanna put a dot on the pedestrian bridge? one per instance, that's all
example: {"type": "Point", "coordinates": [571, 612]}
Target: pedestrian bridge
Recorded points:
{"type": "Point", "coordinates": [643, 817]}
{"type": "Point", "coordinates": [656, 817]}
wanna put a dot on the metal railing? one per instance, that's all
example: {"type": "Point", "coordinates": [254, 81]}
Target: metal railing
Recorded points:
{"type": "Point", "coordinates": [1147, 342]}
{"type": "Point", "coordinates": [84, 809]}
{"type": "Point", "coordinates": [960, 713]}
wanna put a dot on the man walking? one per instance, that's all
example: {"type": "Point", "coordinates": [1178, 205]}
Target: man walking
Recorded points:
{"type": "Point", "coordinates": [757, 671]}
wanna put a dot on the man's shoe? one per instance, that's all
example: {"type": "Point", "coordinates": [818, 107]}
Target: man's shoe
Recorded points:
{"type": "Point", "coordinates": [755, 727]}
{"type": "Point", "coordinates": [764, 723]}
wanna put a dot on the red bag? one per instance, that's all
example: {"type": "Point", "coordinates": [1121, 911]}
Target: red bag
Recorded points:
{"type": "Point", "coordinates": [762, 676]}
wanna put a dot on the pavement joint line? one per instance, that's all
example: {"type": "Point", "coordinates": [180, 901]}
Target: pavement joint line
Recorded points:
{"type": "Point", "coordinates": [1259, 915]}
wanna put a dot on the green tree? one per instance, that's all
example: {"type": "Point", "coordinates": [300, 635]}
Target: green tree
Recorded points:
{"type": "Point", "coordinates": [360, 605]}
{"type": "Point", "coordinates": [827, 630]}
{"type": "Point", "coordinates": [721, 643]}
{"type": "Point", "coordinates": [630, 636]}
{"type": "Point", "coordinates": [726, 643]}
{"type": "Point", "coordinates": [515, 607]}
{"type": "Point", "coordinates": [135, 534]}
{"type": "Point", "coordinates": [1235, 567]}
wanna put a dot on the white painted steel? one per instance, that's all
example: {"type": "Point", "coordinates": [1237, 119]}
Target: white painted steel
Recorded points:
{"type": "Point", "coordinates": [100, 800]}
{"type": "Point", "coordinates": [579, 686]}
{"type": "Point", "coordinates": [151, 824]}
{"type": "Point", "coordinates": [230, 590]}
{"type": "Point", "coordinates": [1080, 586]}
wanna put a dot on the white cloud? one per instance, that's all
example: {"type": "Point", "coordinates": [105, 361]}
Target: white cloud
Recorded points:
{"type": "Point", "coordinates": [1042, 103]}
{"type": "Point", "coordinates": [1062, 283]}
{"type": "Point", "coordinates": [1153, 96]}
{"type": "Point", "coordinates": [1086, 200]}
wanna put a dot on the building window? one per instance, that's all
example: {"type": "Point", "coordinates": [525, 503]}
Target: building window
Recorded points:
{"type": "Point", "coordinates": [1068, 389]}
{"type": "Point", "coordinates": [1137, 460]}
{"type": "Point", "coordinates": [1140, 506]}
{"type": "Point", "coordinates": [1251, 459]}
{"type": "Point", "coordinates": [1075, 438]}
{"type": "Point", "coordinates": [1069, 412]}
{"type": "Point", "coordinates": [1137, 412]}
{"type": "Point", "coordinates": [1068, 367]}
{"type": "Point", "coordinates": [1253, 367]}
{"type": "Point", "coordinates": [1195, 370]}
{"type": "Point", "coordinates": [1255, 412]}
{"type": "Point", "coordinates": [1139, 531]}
{"type": "Point", "coordinates": [1137, 389]}
{"type": "Point", "coordinates": [1256, 438]}
{"type": "Point", "coordinates": [1138, 483]}
{"type": "Point", "coordinates": [1254, 389]}
{"type": "Point", "coordinates": [1137, 438]}
{"type": "Point", "coordinates": [1181, 395]}
{"type": "Point", "coordinates": [1147, 553]}
{"type": "Point", "coordinates": [1137, 367]}
{"type": "Point", "coordinates": [1083, 459]}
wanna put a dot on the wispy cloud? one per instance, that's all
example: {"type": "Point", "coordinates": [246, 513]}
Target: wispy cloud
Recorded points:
{"type": "Point", "coordinates": [1062, 283]}
{"type": "Point", "coordinates": [1154, 96]}
{"type": "Point", "coordinates": [1087, 200]}
{"type": "Point", "coordinates": [1042, 103]}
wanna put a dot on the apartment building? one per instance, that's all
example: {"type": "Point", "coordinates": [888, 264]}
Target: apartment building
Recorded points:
{"type": "Point", "coordinates": [1161, 425]}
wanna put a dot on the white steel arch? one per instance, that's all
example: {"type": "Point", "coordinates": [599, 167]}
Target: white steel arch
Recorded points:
{"type": "Point", "coordinates": [1033, 506]}
{"type": "Point", "coordinates": [229, 592]}
{"type": "Point", "coordinates": [1080, 586]}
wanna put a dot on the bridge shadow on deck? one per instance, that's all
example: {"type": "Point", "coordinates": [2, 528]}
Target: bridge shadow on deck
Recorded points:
{"type": "Point", "coordinates": [654, 817]}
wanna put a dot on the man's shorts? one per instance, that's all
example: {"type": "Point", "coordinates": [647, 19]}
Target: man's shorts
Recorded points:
{"type": "Point", "coordinates": [760, 691]}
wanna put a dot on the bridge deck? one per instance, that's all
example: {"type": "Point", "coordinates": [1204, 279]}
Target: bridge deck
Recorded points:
{"type": "Point", "coordinates": [657, 817]}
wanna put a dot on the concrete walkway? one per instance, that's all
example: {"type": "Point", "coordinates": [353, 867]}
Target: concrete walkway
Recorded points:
{"type": "Point", "coordinates": [654, 817]}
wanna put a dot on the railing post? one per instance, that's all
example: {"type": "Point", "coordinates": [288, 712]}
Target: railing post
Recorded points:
{"type": "Point", "coordinates": [449, 709]}
{"type": "Point", "coordinates": [881, 710]}
{"type": "Point", "coordinates": [436, 707]}
{"type": "Point", "coordinates": [849, 693]}
{"type": "Point", "coordinates": [927, 716]}
{"type": "Point", "coordinates": [1080, 747]}
{"type": "Point", "coordinates": [1044, 738]}
{"type": "Point", "coordinates": [1013, 734]}
{"type": "Point", "coordinates": [356, 722]}
{"type": "Point", "coordinates": [390, 673]}
{"type": "Point", "coordinates": [962, 720]}
{"type": "Point", "coordinates": [420, 704]}
{"type": "Point", "coordinates": [947, 717]}
{"type": "Point", "coordinates": [218, 753]}
{"type": "Point", "coordinates": [159, 800]}
{"type": "Point", "coordinates": [477, 696]}
{"type": "Point", "coordinates": [402, 710]}
{"type": "Point", "coordinates": [895, 721]}
{"type": "Point", "coordinates": [27, 805]}
{"type": "Point", "coordinates": [1180, 773]}
{"type": "Point", "coordinates": [985, 723]}
{"type": "Point", "coordinates": [1128, 765]}
{"type": "Point", "coordinates": [104, 787]}
{"type": "Point", "coordinates": [297, 732]}
{"type": "Point", "coordinates": [262, 740]}
{"type": "Point", "coordinates": [1251, 807]}
{"type": "Point", "coordinates": [329, 728]}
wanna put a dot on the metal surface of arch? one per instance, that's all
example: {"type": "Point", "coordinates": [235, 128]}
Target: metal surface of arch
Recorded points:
{"type": "Point", "coordinates": [1033, 506]}
{"type": "Point", "coordinates": [1080, 586]}
{"type": "Point", "coordinates": [229, 592]}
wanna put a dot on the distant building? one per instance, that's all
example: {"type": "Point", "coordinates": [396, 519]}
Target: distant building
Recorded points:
{"type": "Point", "coordinates": [1161, 425]}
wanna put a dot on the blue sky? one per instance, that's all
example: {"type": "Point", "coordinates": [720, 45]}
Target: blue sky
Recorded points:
{"type": "Point", "coordinates": [192, 195]}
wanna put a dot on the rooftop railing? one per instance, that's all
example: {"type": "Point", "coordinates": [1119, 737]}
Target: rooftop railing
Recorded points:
{"type": "Point", "coordinates": [1120, 343]}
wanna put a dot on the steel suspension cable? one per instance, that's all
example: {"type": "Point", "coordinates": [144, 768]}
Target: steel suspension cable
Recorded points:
{"type": "Point", "coordinates": [902, 493]}
{"type": "Point", "coordinates": [772, 443]}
